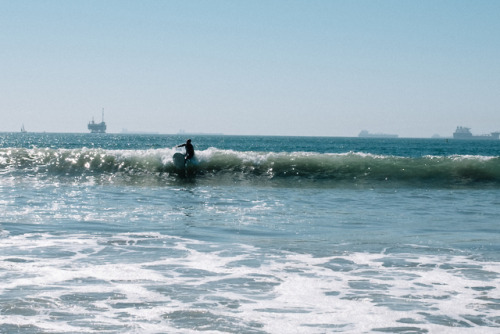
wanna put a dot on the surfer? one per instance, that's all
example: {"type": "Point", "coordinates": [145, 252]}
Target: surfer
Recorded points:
{"type": "Point", "coordinates": [189, 150]}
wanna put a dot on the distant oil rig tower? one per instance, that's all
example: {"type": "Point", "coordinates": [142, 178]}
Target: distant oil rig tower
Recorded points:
{"type": "Point", "coordinates": [97, 127]}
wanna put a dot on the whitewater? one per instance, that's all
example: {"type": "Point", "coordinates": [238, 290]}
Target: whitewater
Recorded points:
{"type": "Point", "coordinates": [102, 234]}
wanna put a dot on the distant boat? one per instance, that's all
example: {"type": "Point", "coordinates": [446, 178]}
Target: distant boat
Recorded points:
{"type": "Point", "coordinates": [97, 127]}
{"type": "Point", "coordinates": [463, 132]}
{"type": "Point", "coordinates": [366, 134]}
{"type": "Point", "coordinates": [23, 130]}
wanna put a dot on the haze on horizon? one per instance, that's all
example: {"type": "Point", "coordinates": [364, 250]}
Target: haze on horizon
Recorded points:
{"type": "Point", "coordinates": [316, 68]}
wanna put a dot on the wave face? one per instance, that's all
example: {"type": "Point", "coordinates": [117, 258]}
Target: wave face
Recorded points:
{"type": "Point", "coordinates": [260, 168]}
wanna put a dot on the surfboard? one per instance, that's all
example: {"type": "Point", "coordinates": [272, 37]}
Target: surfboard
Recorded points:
{"type": "Point", "coordinates": [178, 159]}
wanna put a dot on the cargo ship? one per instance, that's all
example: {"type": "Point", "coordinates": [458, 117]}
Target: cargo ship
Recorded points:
{"type": "Point", "coordinates": [97, 127]}
{"type": "Point", "coordinates": [366, 134]}
{"type": "Point", "coordinates": [463, 132]}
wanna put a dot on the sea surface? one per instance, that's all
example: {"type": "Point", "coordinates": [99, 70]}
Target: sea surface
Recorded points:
{"type": "Point", "coordinates": [102, 234]}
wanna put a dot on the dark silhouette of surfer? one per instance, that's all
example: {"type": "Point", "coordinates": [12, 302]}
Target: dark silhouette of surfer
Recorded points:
{"type": "Point", "coordinates": [189, 150]}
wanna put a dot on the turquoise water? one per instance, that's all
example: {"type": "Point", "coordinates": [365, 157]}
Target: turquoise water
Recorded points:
{"type": "Point", "coordinates": [102, 234]}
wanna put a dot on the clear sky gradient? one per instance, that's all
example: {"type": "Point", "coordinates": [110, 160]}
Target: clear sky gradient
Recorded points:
{"type": "Point", "coordinates": [318, 68]}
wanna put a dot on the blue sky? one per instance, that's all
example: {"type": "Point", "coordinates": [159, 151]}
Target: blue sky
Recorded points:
{"type": "Point", "coordinates": [325, 68]}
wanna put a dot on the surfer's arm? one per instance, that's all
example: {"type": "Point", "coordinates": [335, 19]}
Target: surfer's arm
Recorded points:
{"type": "Point", "coordinates": [181, 145]}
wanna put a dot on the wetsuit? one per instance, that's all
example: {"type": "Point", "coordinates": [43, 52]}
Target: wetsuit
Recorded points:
{"type": "Point", "coordinates": [189, 150]}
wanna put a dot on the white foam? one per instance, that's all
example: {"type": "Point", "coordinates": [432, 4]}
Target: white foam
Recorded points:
{"type": "Point", "coordinates": [196, 283]}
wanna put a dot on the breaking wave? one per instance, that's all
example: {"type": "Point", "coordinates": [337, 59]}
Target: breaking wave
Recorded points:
{"type": "Point", "coordinates": [260, 168]}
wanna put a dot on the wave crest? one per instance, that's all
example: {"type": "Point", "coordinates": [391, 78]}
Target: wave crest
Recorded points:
{"type": "Point", "coordinates": [288, 169]}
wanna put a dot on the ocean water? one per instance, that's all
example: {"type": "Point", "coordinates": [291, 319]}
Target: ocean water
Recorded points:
{"type": "Point", "coordinates": [102, 234]}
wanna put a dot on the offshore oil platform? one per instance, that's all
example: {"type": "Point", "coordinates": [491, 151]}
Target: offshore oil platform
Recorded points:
{"type": "Point", "coordinates": [97, 127]}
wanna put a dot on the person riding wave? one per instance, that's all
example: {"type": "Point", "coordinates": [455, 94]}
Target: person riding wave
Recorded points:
{"type": "Point", "coordinates": [189, 150]}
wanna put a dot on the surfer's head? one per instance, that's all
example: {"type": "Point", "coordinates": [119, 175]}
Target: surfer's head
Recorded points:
{"type": "Point", "coordinates": [188, 141]}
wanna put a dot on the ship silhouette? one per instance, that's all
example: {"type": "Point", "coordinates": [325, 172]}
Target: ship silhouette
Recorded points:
{"type": "Point", "coordinates": [463, 132]}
